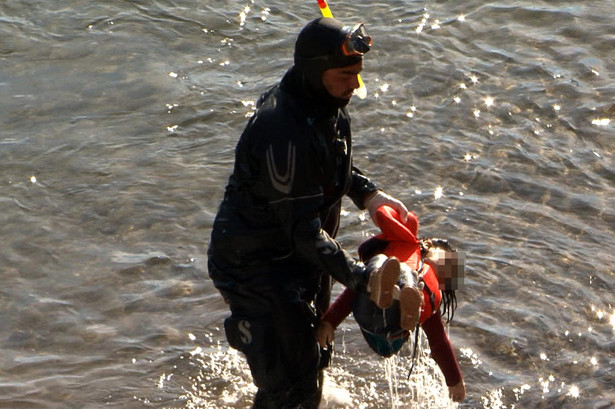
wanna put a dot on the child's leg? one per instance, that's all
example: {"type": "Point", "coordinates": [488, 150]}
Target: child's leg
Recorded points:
{"type": "Point", "coordinates": [383, 279]}
{"type": "Point", "coordinates": [410, 298]}
{"type": "Point", "coordinates": [383, 288]}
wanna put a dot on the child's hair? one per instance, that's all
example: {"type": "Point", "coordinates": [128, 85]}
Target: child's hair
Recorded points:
{"type": "Point", "coordinates": [449, 297]}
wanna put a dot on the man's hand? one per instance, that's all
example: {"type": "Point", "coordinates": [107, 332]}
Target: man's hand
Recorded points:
{"type": "Point", "coordinates": [457, 392]}
{"type": "Point", "coordinates": [324, 333]}
{"type": "Point", "coordinates": [379, 198]}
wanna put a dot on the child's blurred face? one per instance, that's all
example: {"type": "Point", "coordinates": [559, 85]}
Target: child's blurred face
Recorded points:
{"type": "Point", "coordinates": [450, 266]}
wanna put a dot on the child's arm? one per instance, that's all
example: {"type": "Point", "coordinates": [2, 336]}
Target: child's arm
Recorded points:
{"type": "Point", "coordinates": [442, 352]}
{"type": "Point", "coordinates": [335, 314]}
{"type": "Point", "coordinates": [325, 334]}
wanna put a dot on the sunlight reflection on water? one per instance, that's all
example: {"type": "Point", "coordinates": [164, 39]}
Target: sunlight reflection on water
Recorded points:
{"type": "Point", "coordinates": [223, 381]}
{"type": "Point", "coordinates": [492, 121]}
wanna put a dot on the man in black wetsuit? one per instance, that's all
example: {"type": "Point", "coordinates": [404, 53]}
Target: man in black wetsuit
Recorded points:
{"type": "Point", "coordinates": [272, 252]}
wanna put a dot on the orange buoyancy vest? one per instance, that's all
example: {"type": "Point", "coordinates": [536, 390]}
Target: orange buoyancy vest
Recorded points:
{"type": "Point", "coordinates": [404, 245]}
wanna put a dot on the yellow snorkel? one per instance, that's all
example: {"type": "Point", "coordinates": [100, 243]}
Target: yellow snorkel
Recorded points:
{"type": "Point", "coordinates": [360, 92]}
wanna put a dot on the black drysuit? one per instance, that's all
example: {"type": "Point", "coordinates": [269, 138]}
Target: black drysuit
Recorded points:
{"type": "Point", "coordinates": [272, 248]}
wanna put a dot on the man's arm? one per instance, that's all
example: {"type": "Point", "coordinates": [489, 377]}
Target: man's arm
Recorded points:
{"type": "Point", "coordinates": [361, 188]}
{"type": "Point", "coordinates": [289, 164]}
{"type": "Point", "coordinates": [365, 194]}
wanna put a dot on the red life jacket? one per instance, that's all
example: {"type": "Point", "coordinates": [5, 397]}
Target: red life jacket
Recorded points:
{"type": "Point", "coordinates": [404, 245]}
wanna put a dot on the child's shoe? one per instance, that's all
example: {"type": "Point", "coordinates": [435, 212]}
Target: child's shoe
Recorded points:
{"type": "Point", "coordinates": [410, 300]}
{"type": "Point", "coordinates": [382, 281]}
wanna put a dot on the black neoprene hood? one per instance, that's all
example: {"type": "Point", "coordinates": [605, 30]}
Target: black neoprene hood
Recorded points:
{"type": "Point", "coordinates": [319, 45]}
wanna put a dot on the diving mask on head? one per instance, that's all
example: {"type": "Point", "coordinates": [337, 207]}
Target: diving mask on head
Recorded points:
{"type": "Point", "coordinates": [357, 41]}
{"type": "Point", "coordinates": [351, 50]}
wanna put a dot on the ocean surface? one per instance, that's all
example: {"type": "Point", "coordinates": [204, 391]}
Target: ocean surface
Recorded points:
{"type": "Point", "coordinates": [494, 121]}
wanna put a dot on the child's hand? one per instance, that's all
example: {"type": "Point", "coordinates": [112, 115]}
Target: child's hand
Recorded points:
{"type": "Point", "coordinates": [457, 392]}
{"type": "Point", "coordinates": [324, 334]}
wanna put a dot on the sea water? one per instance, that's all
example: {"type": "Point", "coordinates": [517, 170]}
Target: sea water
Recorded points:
{"type": "Point", "coordinates": [493, 121]}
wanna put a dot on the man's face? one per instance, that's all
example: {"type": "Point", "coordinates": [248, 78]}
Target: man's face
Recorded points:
{"type": "Point", "coordinates": [341, 82]}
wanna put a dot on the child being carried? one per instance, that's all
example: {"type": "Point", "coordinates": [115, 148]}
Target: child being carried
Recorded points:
{"type": "Point", "coordinates": [413, 283]}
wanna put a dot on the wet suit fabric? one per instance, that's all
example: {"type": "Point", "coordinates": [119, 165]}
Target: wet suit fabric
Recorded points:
{"type": "Point", "coordinates": [272, 246]}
